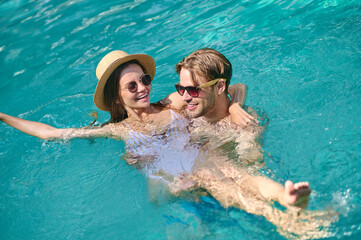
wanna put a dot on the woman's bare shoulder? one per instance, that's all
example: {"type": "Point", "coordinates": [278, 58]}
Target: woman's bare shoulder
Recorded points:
{"type": "Point", "coordinates": [117, 130]}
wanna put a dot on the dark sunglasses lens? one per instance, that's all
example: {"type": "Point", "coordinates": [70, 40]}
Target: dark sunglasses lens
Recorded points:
{"type": "Point", "coordinates": [132, 87]}
{"type": "Point", "coordinates": [180, 89]}
{"type": "Point", "coordinates": [146, 79]}
{"type": "Point", "coordinates": [192, 91]}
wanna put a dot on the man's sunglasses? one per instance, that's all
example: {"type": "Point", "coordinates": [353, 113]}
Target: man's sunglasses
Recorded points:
{"type": "Point", "coordinates": [146, 79]}
{"type": "Point", "coordinates": [194, 91]}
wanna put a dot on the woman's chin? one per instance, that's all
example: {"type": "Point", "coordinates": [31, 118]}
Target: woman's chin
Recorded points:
{"type": "Point", "coordinates": [143, 104]}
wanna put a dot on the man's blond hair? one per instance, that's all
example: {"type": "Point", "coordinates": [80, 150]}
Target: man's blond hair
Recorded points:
{"type": "Point", "coordinates": [207, 63]}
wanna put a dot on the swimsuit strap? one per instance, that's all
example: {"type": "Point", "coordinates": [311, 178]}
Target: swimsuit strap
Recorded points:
{"type": "Point", "coordinates": [174, 125]}
{"type": "Point", "coordinates": [174, 115]}
{"type": "Point", "coordinates": [134, 138]}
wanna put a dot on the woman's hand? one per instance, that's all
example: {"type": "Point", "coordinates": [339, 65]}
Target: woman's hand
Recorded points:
{"type": "Point", "coordinates": [240, 118]}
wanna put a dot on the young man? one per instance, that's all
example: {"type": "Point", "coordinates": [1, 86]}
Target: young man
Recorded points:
{"type": "Point", "coordinates": [204, 79]}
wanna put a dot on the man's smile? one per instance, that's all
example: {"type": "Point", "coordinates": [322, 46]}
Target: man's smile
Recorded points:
{"type": "Point", "coordinates": [192, 106]}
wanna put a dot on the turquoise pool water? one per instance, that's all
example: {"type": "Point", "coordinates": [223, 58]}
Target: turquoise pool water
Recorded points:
{"type": "Point", "coordinates": [300, 59]}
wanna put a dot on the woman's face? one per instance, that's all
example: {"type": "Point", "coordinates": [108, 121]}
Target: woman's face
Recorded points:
{"type": "Point", "coordinates": [140, 98]}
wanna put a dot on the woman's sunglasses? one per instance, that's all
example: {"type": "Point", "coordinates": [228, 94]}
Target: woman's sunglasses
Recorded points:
{"type": "Point", "coordinates": [146, 79]}
{"type": "Point", "coordinates": [194, 91]}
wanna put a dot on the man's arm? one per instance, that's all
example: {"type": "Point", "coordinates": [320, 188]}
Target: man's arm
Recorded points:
{"type": "Point", "coordinates": [290, 195]}
{"type": "Point", "coordinates": [174, 100]}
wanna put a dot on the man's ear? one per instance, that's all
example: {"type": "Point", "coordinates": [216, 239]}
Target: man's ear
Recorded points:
{"type": "Point", "coordinates": [221, 86]}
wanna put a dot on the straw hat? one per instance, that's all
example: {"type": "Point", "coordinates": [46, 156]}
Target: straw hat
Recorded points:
{"type": "Point", "coordinates": [109, 63]}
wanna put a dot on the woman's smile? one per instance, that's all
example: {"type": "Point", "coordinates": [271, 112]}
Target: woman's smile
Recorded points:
{"type": "Point", "coordinates": [143, 97]}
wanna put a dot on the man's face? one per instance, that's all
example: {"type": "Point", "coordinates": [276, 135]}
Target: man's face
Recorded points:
{"type": "Point", "coordinates": [204, 104]}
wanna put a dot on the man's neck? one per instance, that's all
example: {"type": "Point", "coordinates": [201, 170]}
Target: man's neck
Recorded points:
{"type": "Point", "coordinates": [219, 111]}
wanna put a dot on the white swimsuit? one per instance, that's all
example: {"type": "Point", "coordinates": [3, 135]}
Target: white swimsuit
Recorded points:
{"type": "Point", "coordinates": [166, 151]}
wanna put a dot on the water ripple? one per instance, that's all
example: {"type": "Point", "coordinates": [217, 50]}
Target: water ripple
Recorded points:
{"type": "Point", "coordinates": [300, 59]}
{"type": "Point", "coordinates": [112, 11]}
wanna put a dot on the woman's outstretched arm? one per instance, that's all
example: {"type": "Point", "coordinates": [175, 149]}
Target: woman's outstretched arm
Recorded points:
{"type": "Point", "coordinates": [35, 129]}
{"type": "Point", "coordinates": [45, 131]}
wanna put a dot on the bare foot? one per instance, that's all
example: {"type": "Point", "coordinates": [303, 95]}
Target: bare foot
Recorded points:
{"type": "Point", "coordinates": [297, 194]}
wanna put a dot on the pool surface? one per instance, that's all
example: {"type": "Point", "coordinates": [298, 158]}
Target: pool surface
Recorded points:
{"type": "Point", "coordinates": [300, 59]}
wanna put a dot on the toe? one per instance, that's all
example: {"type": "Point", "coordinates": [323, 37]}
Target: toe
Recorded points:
{"type": "Point", "coordinates": [289, 187]}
